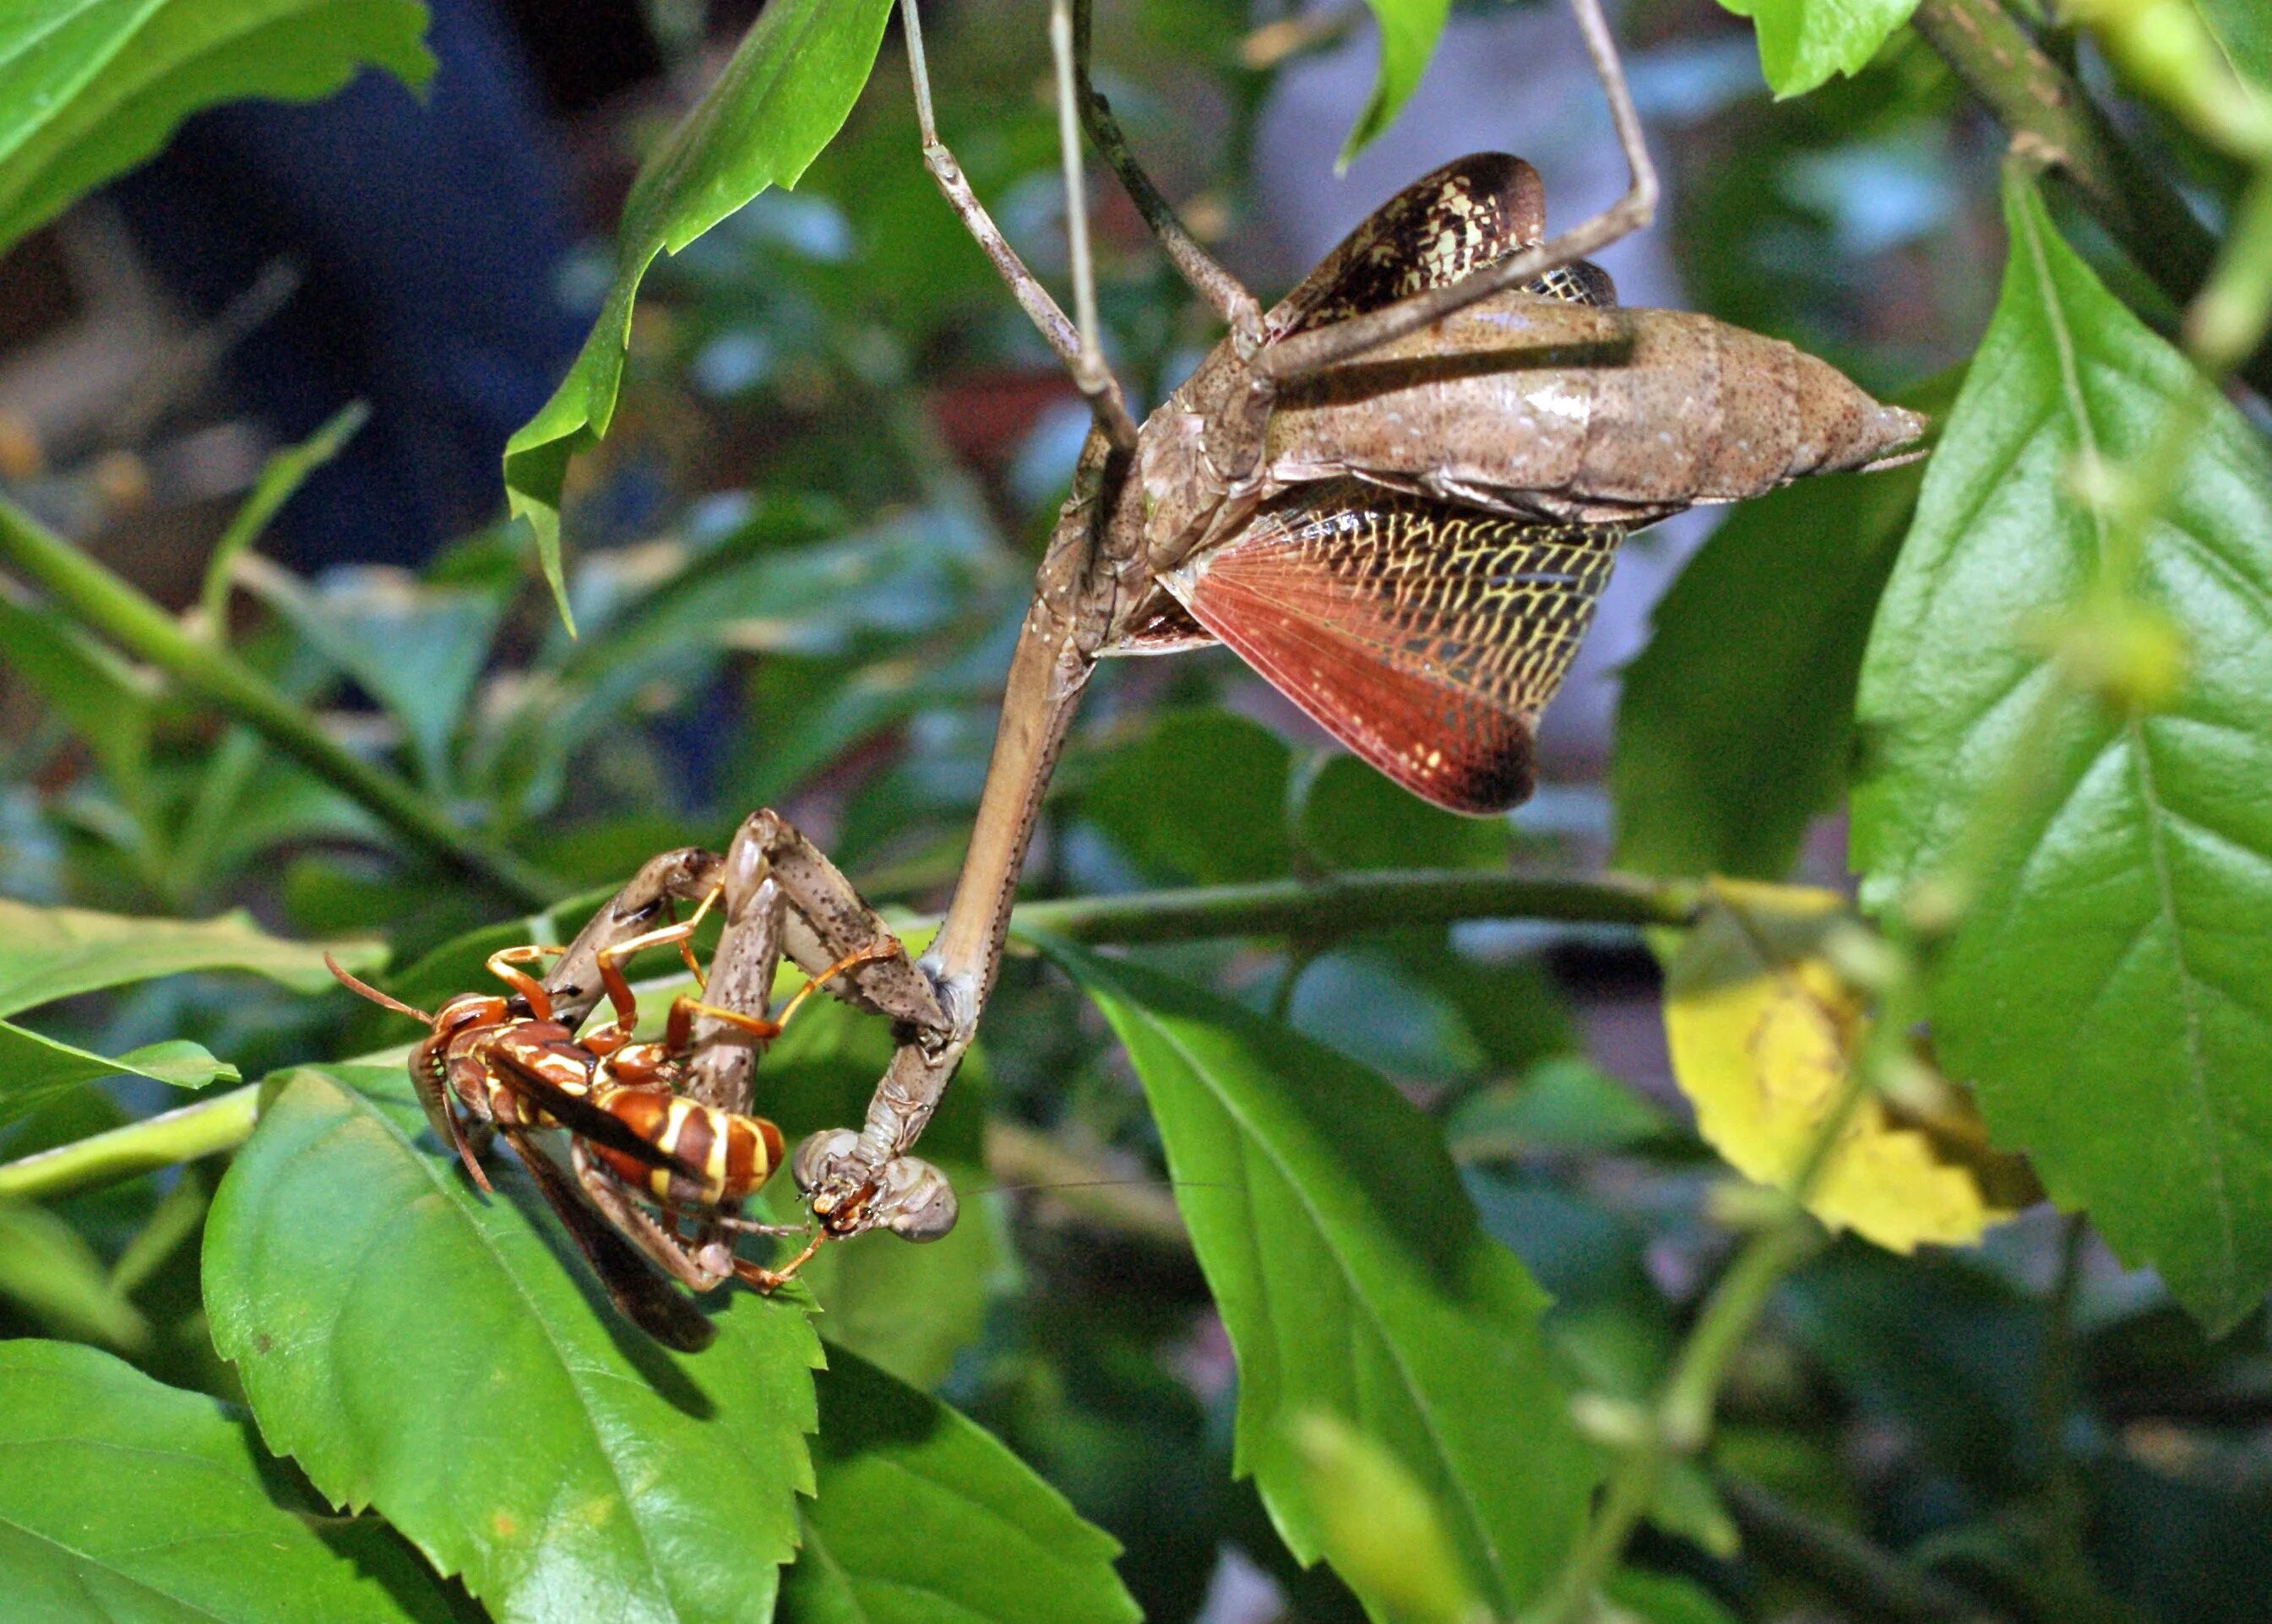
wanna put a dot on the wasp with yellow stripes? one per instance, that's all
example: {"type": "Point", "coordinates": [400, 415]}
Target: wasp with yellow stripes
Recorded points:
{"type": "Point", "coordinates": [667, 1172]}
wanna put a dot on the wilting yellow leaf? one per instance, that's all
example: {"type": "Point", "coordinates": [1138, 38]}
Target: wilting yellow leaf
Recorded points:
{"type": "Point", "coordinates": [1761, 1030]}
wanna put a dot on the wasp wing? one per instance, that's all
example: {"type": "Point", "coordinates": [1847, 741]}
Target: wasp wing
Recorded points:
{"type": "Point", "coordinates": [579, 1116]}
{"type": "Point", "coordinates": [642, 1296]}
{"type": "Point", "coordinates": [1423, 635]}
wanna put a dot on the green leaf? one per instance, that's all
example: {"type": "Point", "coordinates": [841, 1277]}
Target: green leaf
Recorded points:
{"type": "Point", "coordinates": [1565, 1104]}
{"type": "Point", "coordinates": [48, 1269]}
{"type": "Point", "coordinates": [280, 477]}
{"type": "Point", "coordinates": [2243, 29]}
{"type": "Point", "coordinates": [920, 1514]}
{"type": "Point", "coordinates": [1379, 1526]}
{"type": "Point", "coordinates": [1661, 1599]}
{"type": "Point", "coordinates": [417, 649]}
{"type": "Point", "coordinates": [2105, 993]}
{"type": "Point", "coordinates": [1736, 724]}
{"type": "Point", "coordinates": [124, 1500]}
{"type": "Point", "coordinates": [446, 1359]}
{"type": "Point", "coordinates": [1803, 42]}
{"type": "Point", "coordinates": [1202, 799]}
{"type": "Point", "coordinates": [788, 90]}
{"type": "Point", "coordinates": [91, 87]}
{"type": "Point", "coordinates": [1409, 30]}
{"type": "Point", "coordinates": [35, 1069]}
{"type": "Point", "coordinates": [51, 953]}
{"type": "Point", "coordinates": [1353, 1278]}
{"type": "Point", "coordinates": [1352, 817]}
{"type": "Point", "coordinates": [105, 701]}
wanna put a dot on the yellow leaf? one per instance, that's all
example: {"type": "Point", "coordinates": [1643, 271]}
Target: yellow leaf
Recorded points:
{"type": "Point", "coordinates": [1761, 1032]}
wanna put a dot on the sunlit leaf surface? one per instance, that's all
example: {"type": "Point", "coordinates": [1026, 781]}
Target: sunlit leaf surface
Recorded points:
{"type": "Point", "coordinates": [2106, 994]}
{"type": "Point", "coordinates": [51, 953]}
{"type": "Point", "coordinates": [34, 1069]}
{"type": "Point", "coordinates": [1803, 42]}
{"type": "Point", "coordinates": [1763, 1032]}
{"type": "Point", "coordinates": [920, 1514]}
{"type": "Point", "coordinates": [124, 1500]}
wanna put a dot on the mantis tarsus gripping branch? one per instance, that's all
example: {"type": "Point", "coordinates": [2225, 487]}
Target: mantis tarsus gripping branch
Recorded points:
{"type": "Point", "coordinates": [1396, 494]}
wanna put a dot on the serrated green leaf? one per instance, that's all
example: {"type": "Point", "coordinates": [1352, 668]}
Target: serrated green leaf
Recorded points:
{"type": "Point", "coordinates": [1353, 1277]}
{"type": "Point", "coordinates": [1736, 724]}
{"type": "Point", "coordinates": [920, 1514]}
{"type": "Point", "coordinates": [51, 953]}
{"type": "Point", "coordinates": [1803, 42]}
{"type": "Point", "coordinates": [91, 87]}
{"type": "Point", "coordinates": [788, 90]}
{"type": "Point", "coordinates": [124, 1500]}
{"type": "Point", "coordinates": [34, 1070]}
{"type": "Point", "coordinates": [1408, 31]}
{"type": "Point", "coordinates": [446, 1359]}
{"type": "Point", "coordinates": [2105, 994]}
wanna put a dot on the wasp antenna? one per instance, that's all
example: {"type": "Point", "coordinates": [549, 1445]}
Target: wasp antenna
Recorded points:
{"type": "Point", "coordinates": [367, 990]}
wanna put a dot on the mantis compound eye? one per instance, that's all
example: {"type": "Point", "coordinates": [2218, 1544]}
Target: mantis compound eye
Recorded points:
{"type": "Point", "coordinates": [826, 1159]}
{"type": "Point", "coordinates": [913, 1199]}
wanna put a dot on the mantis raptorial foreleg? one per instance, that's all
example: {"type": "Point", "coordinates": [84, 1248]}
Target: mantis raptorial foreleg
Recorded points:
{"type": "Point", "coordinates": [687, 875]}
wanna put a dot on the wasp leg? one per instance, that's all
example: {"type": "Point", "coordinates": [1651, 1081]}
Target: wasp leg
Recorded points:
{"type": "Point", "coordinates": [531, 990]}
{"type": "Point", "coordinates": [610, 959]}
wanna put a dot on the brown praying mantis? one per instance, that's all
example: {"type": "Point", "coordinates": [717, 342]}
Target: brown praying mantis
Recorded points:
{"type": "Point", "coordinates": [1396, 494]}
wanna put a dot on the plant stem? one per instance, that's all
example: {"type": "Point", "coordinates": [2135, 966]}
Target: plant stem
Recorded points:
{"type": "Point", "coordinates": [205, 1129]}
{"type": "Point", "coordinates": [1680, 1421]}
{"type": "Point", "coordinates": [1683, 1414]}
{"type": "Point", "coordinates": [2042, 107]}
{"type": "Point", "coordinates": [97, 598]}
{"type": "Point", "coordinates": [1872, 1582]}
{"type": "Point", "coordinates": [1338, 905]}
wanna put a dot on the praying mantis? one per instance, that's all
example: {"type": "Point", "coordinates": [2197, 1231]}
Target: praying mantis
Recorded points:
{"type": "Point", "coordinates": [1396, 494]}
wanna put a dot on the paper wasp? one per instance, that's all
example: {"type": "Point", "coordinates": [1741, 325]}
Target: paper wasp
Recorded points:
{"type": "Point", "coordinates": [668, 1173]}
